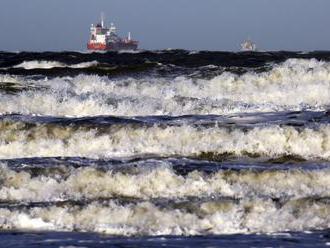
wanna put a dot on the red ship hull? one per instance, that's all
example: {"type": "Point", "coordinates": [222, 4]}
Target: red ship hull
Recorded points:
{"type": "Point", "coordinates": [96, 46]}
{"type": "Point", "coordinates": [112, 47]}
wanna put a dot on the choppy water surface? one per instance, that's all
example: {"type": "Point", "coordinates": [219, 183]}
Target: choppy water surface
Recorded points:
{"type": "Point", "coordinates": [170, 148]}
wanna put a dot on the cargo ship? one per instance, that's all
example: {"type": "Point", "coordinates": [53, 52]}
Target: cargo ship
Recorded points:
{"type": "Point", "coordinates": [103, 38]}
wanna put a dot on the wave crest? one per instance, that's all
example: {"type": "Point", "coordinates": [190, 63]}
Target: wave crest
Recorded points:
{"type": "Point", "coordinates": [41, 140]}
{"type": "Point", "coordinates": [185, 218]}
{"type": "Point", "coordinates": [291, 86]}
{"type": "Point", "coordinates": [154, 179]}
{"type": "Point", "coordinates": [43, 64]}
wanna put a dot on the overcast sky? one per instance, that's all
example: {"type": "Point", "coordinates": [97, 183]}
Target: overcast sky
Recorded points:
{"type": "Point", "coordinates": [40, 25]}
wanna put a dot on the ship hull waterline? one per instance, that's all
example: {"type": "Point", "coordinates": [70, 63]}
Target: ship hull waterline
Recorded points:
{"type": "Point", "coordinates": [108, 47]}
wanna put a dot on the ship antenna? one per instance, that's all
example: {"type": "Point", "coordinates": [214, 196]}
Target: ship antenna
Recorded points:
{"type": "Point", "coordinates": [102, 19]}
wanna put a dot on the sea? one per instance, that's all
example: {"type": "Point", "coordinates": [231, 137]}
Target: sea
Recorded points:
{"type": "Point", "coordinates": [168, 148]}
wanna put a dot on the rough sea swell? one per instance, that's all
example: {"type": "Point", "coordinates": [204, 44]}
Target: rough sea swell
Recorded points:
{"type": "Point", "coordinates": [165, 143]}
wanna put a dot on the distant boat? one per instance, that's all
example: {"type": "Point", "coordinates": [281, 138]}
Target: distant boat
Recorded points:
{"type": "Point", "coordinates": [106, 39]}
{"type": "Point", "coordinates": [248, 45]}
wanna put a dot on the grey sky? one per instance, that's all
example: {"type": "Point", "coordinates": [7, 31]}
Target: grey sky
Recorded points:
{"type": "Point", "coordinates": [190, 24]}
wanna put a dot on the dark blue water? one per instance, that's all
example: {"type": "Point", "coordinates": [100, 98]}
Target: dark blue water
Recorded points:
{"type": "Point", "coordinates": [20, 239]}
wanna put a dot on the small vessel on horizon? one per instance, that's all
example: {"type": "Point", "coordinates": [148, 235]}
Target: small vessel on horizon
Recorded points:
{"type": "Point", "coordinates": [103, 38]}
{"type": "Point", "coordinates": [248, 45]}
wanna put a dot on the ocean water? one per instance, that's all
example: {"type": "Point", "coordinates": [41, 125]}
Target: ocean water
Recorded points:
{"type": "Point", "coordinates": [165, 148]}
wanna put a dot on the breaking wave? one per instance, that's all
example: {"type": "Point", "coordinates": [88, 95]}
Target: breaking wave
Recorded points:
{"type": "Point", "coordinates": [291, 86]}
{"type": "Point", "coordinates": [181, 218]}
{"type": "Point", "coordinates": [20, 139]}
{"type": "Point", "coordinates": [149, 197]}
{"type": "Point", "coordinates": [156, 179]}
{"type": "Point", "coordinates": [35, 64]}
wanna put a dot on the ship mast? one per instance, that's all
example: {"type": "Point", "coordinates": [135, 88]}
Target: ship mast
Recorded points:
{"type": "Point", "coordinates": [102, 19]}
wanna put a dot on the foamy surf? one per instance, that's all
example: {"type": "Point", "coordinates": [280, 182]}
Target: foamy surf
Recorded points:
{"type": "Point", "coordinates": [186, 218]}
{"type": "Point", "coordinates": [39, 140]}
{"type": "Point", "coordinates": [157, 179]}
{"type": "Point", "coordinates": [165, 143]}
{"type": "Point", "coordinates": [294, 85]}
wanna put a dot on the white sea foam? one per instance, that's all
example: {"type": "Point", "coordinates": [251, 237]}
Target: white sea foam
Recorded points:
{"type": "Point", "coordinates": [146, 218]}
{"type": "Point", "coordinates": [159, 180]}
{"type": "Point", "coordinates": [43, 64]}
{"type": "Point", "coordinates": [131, 51]}
{"type": "Point", "coordinates": [293, 85]}
{"type": "Point", "coordinates": [9, 79]}
{"type": "Point", "coordinates": [126, 140]}
{"type": "Point", "coordinates": [35, 64]}
{"type": "Point", "coordinates": [84, 64]}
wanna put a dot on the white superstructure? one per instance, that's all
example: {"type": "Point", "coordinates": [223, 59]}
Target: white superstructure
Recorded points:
{"type": "Point", "coordinates": [248, 45]}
